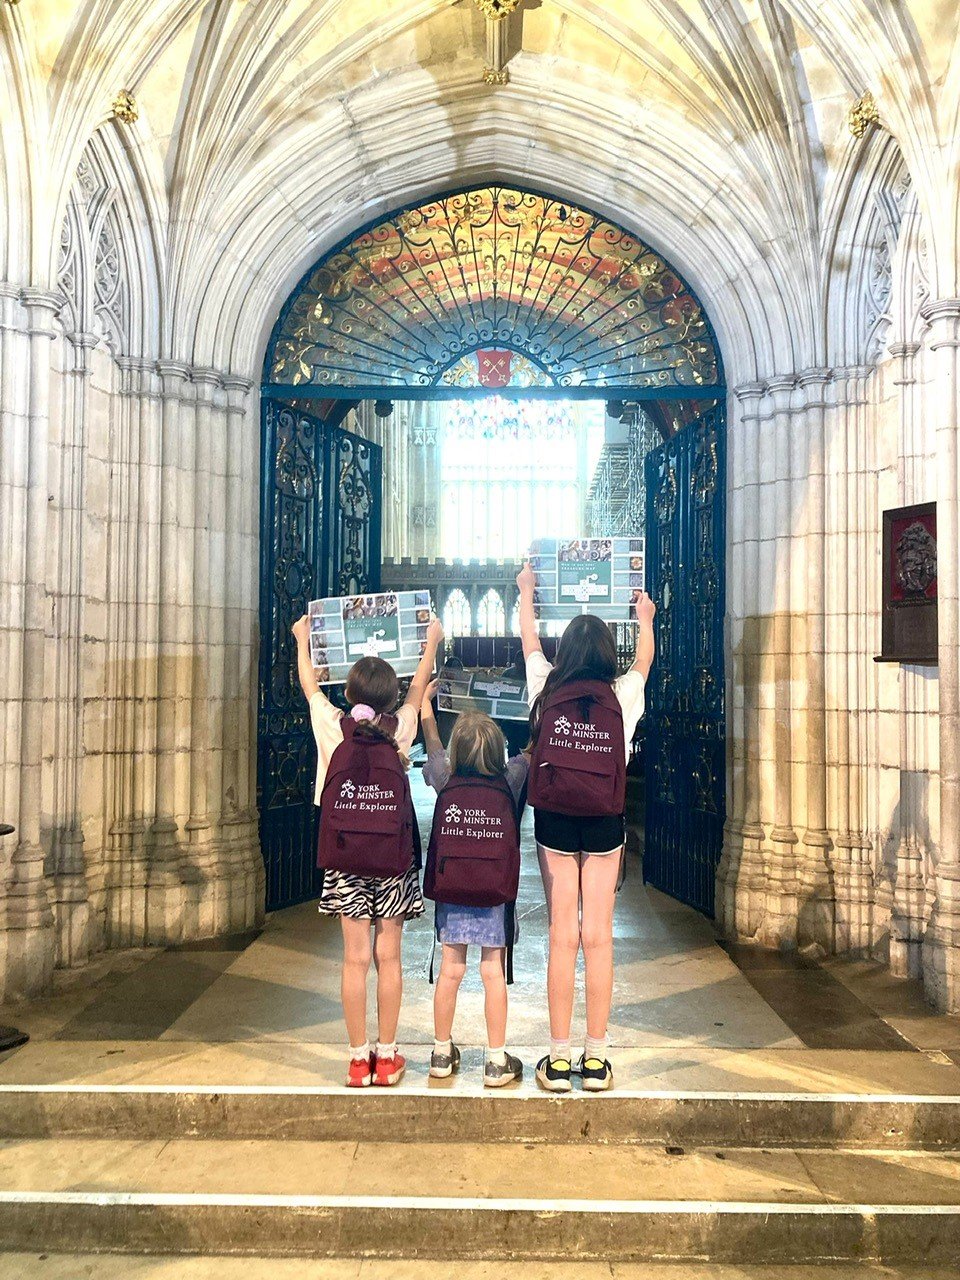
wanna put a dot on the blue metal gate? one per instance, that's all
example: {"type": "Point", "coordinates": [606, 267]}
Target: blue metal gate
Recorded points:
{"type": "Point", "coordinates": [685, 738]}
{"type": "Point", "coordinates": [320, 535]}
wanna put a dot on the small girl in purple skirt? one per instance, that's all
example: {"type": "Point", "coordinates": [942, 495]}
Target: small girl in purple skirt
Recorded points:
{"type": "Point", "coordinates": [477, 748]}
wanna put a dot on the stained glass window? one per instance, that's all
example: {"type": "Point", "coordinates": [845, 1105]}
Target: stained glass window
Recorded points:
{"type": "Point", "coordinates": [491, 616]}
{"type": "Point", "coordinates": [456, 614]}
{"type": "Point", "coordinates": [460, 287]}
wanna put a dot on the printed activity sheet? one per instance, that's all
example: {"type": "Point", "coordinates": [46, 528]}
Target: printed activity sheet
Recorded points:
{"type": "Point", "coordinates": [391, 625]}
{"type": "Point", "coordinates": [483, 689]}
{"type": "Point", "coordinates": [587, 575]}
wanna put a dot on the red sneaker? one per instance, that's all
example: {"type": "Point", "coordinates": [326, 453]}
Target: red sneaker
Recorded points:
{"type": "Point", "coordinates": [389, 1070]}
{"type": "Point", "coordinates": [360, 1073]}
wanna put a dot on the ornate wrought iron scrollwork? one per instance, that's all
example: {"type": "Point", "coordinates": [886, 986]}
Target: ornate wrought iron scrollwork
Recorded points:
{"type": "Point", "coordinates": [685, 713]}
{"type": "Point", "coordinates": [494, 268]}
{"type": "Point", "coordinates": [320, 503]}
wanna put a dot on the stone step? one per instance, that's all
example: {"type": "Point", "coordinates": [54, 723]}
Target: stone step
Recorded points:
{"type": "Point", "coordinates": [461, 1200]}
{"type": "Point", "coordinates": [472, 1114]}
{"type": "Point", "coordinates": [91, 1266]}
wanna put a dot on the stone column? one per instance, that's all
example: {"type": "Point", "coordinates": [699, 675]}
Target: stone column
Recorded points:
{"type": "Point", "coordinates": [164, 911]}
{"type": "Point", "coordinates": [67, 520]}
{"type": "Point", "coordinates": [853, 861]}
{"type": "Point", "coordinates": [815, 924]}
{"type": "Point", "coordinates": [941, 948]}
{"type": "Point", "coordinates": [908, 892]}
{"type": "Point", "coordinates": [27, 941]}
{"type": "Point", "coordinates": [239, 825]}
{"type": "Point", "coordinates": [740, 872]}
{"type": "Point", "coordinates": [134, 602]}
{"type": "Point", "coordinates": [776, 693]}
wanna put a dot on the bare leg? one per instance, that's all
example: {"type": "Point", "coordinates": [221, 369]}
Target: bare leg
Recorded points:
{"type": "Point", "coordinates": [493, 973]}
{"type": "Point", "coordinates": [353, 977]}
{"type": "Point", "coordinates": [387, 936]}
{"type": "Point", "coordinates": [598, 889]}
{"type": "Point", "coordinates": [453, 965]}
{"type": "Point", "coordinates": [561, 884]}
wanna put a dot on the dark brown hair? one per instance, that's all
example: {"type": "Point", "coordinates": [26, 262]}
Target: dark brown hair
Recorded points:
{"type": "Point", "coordinates": [587, 651]}
{"type": "Point", "coordinates": [373, 683]}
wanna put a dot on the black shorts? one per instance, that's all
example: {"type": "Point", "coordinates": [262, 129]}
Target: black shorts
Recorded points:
{"type": "Point", "coordinates": [577, 835]}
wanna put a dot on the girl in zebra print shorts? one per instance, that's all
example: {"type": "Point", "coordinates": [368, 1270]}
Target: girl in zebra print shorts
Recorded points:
{"type": "Point", "coordinates": [368, 904]}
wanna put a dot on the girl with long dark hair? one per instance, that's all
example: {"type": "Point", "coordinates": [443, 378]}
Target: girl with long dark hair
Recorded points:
{"type": "Point", "coordinates": [582, 722]}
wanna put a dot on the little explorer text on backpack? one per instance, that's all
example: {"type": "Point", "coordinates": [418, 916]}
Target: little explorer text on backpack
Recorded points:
{"type": "Point", "coordinates": [474, 855]}
{"type": "Point", "coordinates": [578, 764]}
{"type": "Point", "coordinates": [366, 812]}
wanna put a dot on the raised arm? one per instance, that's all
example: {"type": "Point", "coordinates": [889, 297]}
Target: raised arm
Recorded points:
{"type": "Point", "coordinates": [646, 644]}
{"type": "Point", "coordinates": [526, 582]}
{"type": "Point", "coordinates": [424, 673]}
{"type": "Point", "coordinates": [436, 770]}
{"type": "Point", "coordinates": [308, 678]}
{"type": "Point", "coordinates": [428, 721]}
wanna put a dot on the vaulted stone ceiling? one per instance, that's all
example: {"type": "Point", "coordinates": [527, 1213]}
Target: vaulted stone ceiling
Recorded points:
{"type": "Point", "coordinates": [267, 131]}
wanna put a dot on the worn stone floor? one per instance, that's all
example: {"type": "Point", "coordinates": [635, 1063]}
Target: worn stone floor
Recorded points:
{"type": "Point", "coordinates": [688, 1013]}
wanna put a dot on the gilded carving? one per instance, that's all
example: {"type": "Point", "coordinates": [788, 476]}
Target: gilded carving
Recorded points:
{"type": "Point", "coordinates": [863, 114]}
{"type": "Point", "coordinates": [125, 107]}
{"type": "Point", "coordinates": [497, 10]}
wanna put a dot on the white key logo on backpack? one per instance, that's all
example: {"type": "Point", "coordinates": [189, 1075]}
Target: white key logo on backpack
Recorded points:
{"type": "Point", "coordinates": [347, 790]}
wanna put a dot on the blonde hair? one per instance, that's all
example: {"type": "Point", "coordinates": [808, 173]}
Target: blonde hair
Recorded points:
{"type": "Point", "coordinates": [477, 746]}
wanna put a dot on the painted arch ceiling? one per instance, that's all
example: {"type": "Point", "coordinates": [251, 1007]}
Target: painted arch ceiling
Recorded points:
{"type": "Point", "coordinates": [494, 287]}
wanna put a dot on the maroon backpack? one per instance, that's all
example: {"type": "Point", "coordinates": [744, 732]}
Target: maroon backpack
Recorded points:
{"type": "Point", "coordinates": [578, 764]}
{"type": "Point", "coordinates": [366, 811]}
{"type": "Point", "coordinates": [473, 859]}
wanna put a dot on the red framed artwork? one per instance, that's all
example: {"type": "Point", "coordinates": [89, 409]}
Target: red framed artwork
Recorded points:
{"type": "Point", "coordinates": [909, 618]}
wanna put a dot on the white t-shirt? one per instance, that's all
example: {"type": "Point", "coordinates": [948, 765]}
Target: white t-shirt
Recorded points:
{"type": "Point", "coordinates": [325, 718]}
{"type": "Point", "coordinates": [628, 688]}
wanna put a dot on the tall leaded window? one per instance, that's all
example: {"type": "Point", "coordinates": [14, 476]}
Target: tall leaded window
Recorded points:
{"type": "Point", "coordinates": [512, 472]}
{"type": "Point", "coordinates": [491, 616]}
{"type": "Point", "coordinates": [456, 614]}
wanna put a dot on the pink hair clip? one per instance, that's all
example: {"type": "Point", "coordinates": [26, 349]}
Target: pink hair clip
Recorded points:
{"type": "Point", "coordinates": [362, 712]}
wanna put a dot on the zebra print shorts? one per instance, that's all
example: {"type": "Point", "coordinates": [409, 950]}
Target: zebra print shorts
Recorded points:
{"type": "Point", "coordinates": [367, 898]}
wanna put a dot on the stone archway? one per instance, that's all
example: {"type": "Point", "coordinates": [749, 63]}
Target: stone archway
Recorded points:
{"type": "Point", "coordinates": [495, 288]}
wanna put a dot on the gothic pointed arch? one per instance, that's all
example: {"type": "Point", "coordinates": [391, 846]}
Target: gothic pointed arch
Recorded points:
{"type": "Point", "coordinates": [492, 287]}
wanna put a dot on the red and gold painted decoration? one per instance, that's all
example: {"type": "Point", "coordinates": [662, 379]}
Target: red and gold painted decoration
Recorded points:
{"type": "Point", "coordinates": [499, 275]}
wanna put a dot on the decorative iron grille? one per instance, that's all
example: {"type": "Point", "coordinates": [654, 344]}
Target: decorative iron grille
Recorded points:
{"type": "Point", "coordinates": [494, 271]}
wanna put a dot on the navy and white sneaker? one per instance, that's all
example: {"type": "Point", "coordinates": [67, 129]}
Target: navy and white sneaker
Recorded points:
{"type": "Point", "coordinates": [445, 1064]}
{"type": "Point", "coordinates": [596, 1074]}
{"type": "Point", "coordinates": [553, 1074]}
{"type": "Point", "coordinates": [496, 1074]}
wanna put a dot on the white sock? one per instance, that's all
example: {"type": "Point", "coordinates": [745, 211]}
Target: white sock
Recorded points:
{"type": "Point", "coordinates": [595, 1047]}
{"type": "Point", "coordinates": [560, 1049]}
{"type": "Point", "coordinates": [497, 1056]}
{"type": "Point", "coordinates": [443, 1046]}
{"type": "Point", "coordinates": [386, 1050]}
{"type": "Point", "coordinates": [360, 1052]}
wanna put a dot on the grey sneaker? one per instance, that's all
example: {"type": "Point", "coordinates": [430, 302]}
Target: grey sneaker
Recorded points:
{"type": "Point", "coordinates": [445, 1064]}
{"type": "Point", "coordinates": [495, 1074]}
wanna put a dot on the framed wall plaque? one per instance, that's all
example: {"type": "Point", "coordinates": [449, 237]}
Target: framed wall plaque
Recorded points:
{"type": "Point", "coordinates": [909, 617]}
